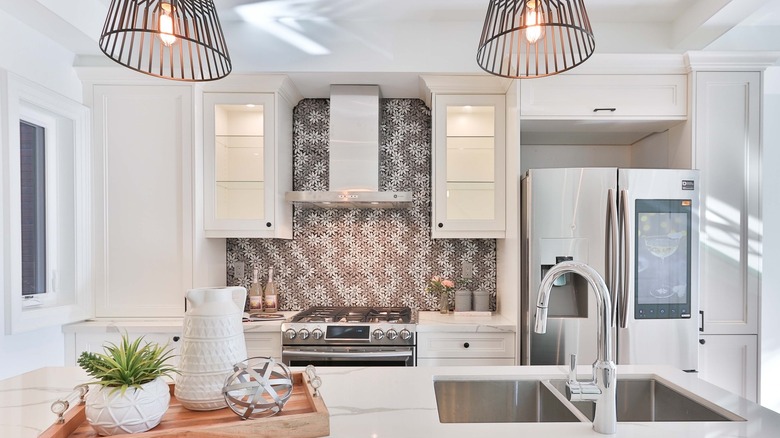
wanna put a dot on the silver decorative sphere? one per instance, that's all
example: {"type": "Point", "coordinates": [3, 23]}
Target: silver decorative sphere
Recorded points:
{"type": "Point", "coordinates": [259, 387]}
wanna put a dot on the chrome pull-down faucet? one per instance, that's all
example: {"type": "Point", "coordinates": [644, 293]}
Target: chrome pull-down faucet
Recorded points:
{"type": "Point", "coordinates": [601, 389]}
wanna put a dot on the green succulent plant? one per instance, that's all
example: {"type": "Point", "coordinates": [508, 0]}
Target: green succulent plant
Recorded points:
{"type": "Point", "coordinates": [127, 365]}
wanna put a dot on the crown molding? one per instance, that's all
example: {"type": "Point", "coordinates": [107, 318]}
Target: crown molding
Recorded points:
{"type": "Point", "coordinates": [730, 61]}
{"type": "Point", "coordinates": [100, 70]}
{"type": "Point", "coordinates": [631, 63]}
{"type": "Point", "coordinates": [255, 83]}
{"type": "Point", "coordinates": [462, 84]}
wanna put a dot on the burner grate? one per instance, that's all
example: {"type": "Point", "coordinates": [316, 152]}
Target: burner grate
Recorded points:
{"type": "Point", "coordinates": [394, 315]}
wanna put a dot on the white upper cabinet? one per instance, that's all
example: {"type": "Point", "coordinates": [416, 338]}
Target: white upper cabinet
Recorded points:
{"type": "Point", "coordinates": [142, 189]}
{"type": "Point", "coordinates": [599, 96]}
{"type": "Point", "coordinates": [468, 166]}
{"type": "Point", "coordinates": [247, 165]}
{"type": "Point", "coordinates": [727, 149]}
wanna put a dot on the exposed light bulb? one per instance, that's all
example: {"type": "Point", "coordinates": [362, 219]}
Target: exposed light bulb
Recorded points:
{"type": "Point", "coordinates": [166, 24]}
{"type": "Point", "coordinates": [533, 21]}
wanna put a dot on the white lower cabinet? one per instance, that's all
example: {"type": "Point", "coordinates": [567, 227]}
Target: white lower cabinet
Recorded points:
{"type": "Point", "coordinates": [731, 362]}
{"type": "Point", "coordinates": [465, 349]}
{"type": "Point", "coordinates": [265, 344]}
{"type": "Point", "coordinates": [76, 343]}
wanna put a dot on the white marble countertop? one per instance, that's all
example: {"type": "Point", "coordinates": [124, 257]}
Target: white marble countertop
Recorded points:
{"type": "Point", "coordinates": [427, 322]}
{"type": "Point", "coordinates": [453, 322]}
{"type": "Point", "coordinates": [405, 405]}
{"type": "Point", "coordinates": [159, 325]}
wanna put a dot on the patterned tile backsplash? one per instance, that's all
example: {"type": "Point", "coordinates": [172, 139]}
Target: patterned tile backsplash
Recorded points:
{"type": "Point", "coordinates": [364, 257]}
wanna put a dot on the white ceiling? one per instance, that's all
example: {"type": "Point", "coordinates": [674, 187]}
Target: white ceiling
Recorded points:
{"type": "Point", "coordinates": [390, 42]}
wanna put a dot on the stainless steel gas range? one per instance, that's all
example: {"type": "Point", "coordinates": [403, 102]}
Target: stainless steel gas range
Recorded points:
{"type": "Point", "coordinates": [350, 336]}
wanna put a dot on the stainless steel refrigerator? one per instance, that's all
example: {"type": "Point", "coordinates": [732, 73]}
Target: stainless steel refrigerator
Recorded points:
{"type": "Point", "coordinates": [639, 228]}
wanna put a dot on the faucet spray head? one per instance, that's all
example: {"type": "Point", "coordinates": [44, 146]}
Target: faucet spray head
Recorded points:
{"type": "Point", "coordinates": [540, 321]}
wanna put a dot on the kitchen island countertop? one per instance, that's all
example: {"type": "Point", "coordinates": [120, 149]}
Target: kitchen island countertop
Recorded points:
{"type": "Point", "coordinates": [404, 404]}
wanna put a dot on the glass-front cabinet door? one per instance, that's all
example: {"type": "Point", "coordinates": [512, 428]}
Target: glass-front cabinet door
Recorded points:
{"type": "Point", "coordinates": [239, 167]}
{"type": "Point", "coordinates": [468, 166]}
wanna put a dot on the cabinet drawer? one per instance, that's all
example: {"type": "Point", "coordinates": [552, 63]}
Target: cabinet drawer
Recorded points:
{"type": "Point", "coordinates": [603, 96]}
{"type": "Point", "coordinates": [94, 343]}
{"type": "Point", "coordinates": [264, 344]}
{"type": "Point", "coordinates": [465, 345]}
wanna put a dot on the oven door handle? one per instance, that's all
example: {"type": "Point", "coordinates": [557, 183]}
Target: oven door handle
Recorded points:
{"type": "Point", "coordinates": [349, 354]}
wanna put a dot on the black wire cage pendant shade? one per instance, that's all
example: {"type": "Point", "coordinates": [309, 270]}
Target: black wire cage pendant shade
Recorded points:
{"type": "Point", "coordinates": [534, 38]}
{"type": "Point", "coordinates": [171, 39]}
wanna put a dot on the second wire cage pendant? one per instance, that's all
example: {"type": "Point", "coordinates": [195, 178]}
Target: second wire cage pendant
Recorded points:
{"type": "Point", "coordinates": [170, 39]}
{"type": "Point", "coordinates": [534, 38]}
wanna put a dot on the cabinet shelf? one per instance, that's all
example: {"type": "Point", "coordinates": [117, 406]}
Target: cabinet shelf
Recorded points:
{"type": "Point", "coordinates": [239, 136]}
{"type": "Point", "coordinates": [465, 184]}
{"type": "Point", "coordinates": [241, 185]}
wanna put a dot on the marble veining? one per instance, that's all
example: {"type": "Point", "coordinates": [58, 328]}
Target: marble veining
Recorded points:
{"type": "Point", "coordinates": [341, 411]}
{"type": "Point", "coordinates": [392, 402]}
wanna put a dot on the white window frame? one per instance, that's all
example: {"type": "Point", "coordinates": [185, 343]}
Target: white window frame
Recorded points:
{"type": "Point", "coordinates": [29, 102]}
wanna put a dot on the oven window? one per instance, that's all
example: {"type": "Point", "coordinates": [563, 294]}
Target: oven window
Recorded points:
{"type": "Point", "coordinates": [348, 356]}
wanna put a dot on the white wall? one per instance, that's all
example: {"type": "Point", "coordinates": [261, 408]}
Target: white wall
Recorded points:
{"type": "Point", "coordinates": [37, 58]}
{"type": "Point", "coordinates": [770, 283]}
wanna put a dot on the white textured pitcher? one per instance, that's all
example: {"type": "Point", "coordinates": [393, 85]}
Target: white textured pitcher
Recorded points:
{"type": "Point", "coordinates": [212, 342]}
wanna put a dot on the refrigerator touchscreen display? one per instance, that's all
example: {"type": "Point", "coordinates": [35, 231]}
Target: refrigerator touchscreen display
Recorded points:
{"type": "Point", "coordinates": [662, 259]}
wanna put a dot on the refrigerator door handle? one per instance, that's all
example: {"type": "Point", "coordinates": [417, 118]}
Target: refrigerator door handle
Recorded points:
{"type": "Point", "coordinates": [626, 258]}
{"type": "Point", "coordinates": [611, 252]}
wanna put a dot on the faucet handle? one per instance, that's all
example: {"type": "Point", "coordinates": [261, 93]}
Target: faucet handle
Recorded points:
{"type": "Point", "coordinates": [573, 368]}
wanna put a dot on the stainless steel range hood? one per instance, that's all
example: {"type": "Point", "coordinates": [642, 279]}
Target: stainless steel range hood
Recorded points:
{"type": "Point", "coordinates": [354, 154]}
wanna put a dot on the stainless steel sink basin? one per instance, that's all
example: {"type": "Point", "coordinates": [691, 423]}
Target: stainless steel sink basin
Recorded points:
{"type": "Point", "coordinates": [649, 400]}
{"type": "Point", "coordinates": [499, 401]}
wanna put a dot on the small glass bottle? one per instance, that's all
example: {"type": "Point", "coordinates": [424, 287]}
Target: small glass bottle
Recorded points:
{"type": "Point", "coordinates": [271, 297]}
{"type": "Point", "coordinates": [255, 294]}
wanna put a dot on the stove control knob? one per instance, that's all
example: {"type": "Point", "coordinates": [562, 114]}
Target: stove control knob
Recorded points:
{"type": "Point", "coordinates": [392, 334]}
{"type": "Point", "coordinates": [304, 334]}
{"type": "Point", "coordinates": [406, 334]}
{"type": "Point", "coordinates": [316, 334]}
{"type": "Point", "coordinates": [290, 333]}
{"type": "Point", "coordinates": [378, 334]}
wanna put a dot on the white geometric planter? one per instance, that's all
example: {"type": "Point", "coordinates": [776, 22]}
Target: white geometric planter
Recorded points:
{"type": "Point", "coordinates": [137, 410]}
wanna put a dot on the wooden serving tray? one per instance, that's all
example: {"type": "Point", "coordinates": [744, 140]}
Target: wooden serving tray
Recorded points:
{"type": "Point", "coordinates": [303, 416]}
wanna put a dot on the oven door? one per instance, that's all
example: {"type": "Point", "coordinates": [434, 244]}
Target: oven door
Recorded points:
{"type": "Point", "coordinates": [348, 356]}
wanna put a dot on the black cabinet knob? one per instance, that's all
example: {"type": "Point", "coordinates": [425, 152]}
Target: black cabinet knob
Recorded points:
{"type": "Point", "coordinates": [176, 339]}
{"type": "Point", "coordinates": [702, 341]}
{"type": "Point", "coordinates": [441, 225]}
{"type": "Point", "coordinates": [268, 224]}
{"type": "Point", "coordinates": [466, 345]}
